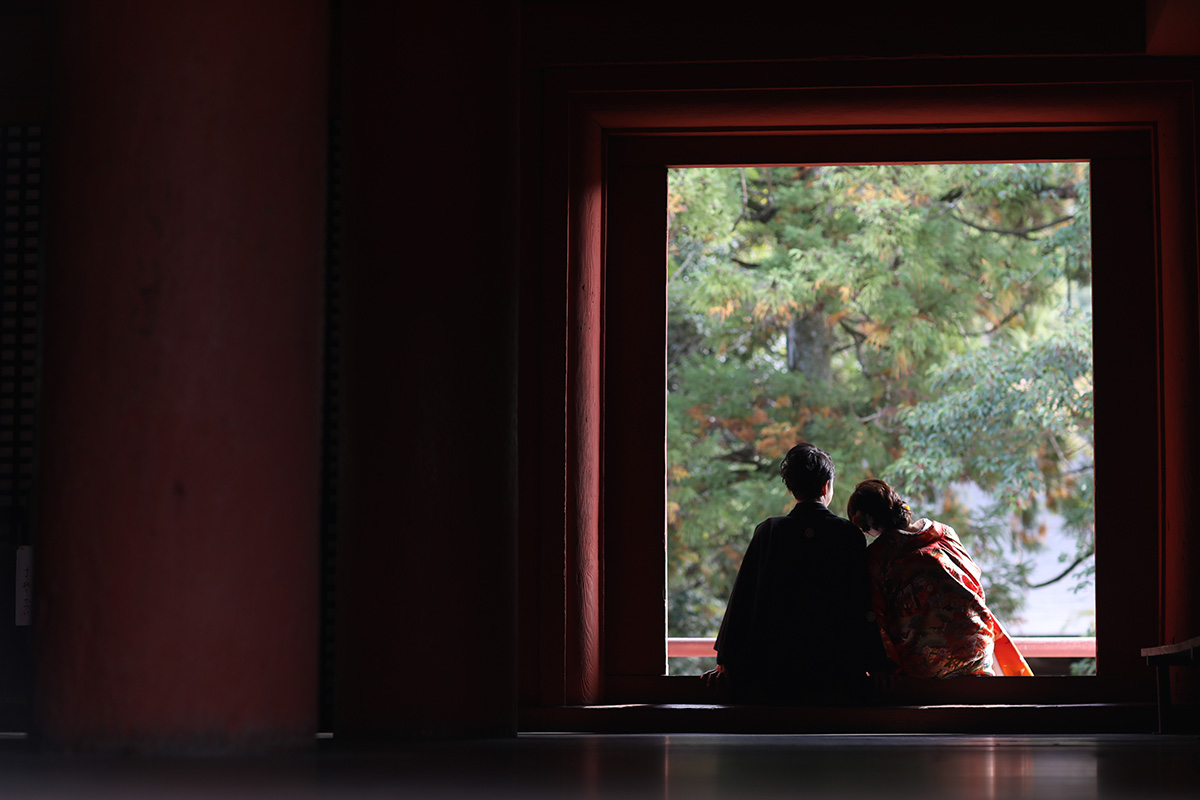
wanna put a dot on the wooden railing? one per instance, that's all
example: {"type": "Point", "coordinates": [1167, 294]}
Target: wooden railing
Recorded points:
{"type": "Point", "coordinates": [1030, 647]}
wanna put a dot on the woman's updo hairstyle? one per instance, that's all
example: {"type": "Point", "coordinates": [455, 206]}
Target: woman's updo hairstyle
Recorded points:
{"type": "Point", "coordinates": [874, 504]}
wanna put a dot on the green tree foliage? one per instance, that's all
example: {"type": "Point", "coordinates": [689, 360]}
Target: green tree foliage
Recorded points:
{"type": "Point", "coordinates": [928, 324]}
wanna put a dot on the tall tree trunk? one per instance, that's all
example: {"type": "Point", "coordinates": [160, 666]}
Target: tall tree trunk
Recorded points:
{"type": "Point", "coordinates": [810, 346]}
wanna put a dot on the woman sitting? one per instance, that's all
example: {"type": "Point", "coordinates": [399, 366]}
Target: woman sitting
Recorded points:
{"type": "Point", "coordinates": [926, 593]}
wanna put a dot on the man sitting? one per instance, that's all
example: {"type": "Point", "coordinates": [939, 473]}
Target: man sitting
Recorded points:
{"type": "Point", "coordinates": [798, 627]}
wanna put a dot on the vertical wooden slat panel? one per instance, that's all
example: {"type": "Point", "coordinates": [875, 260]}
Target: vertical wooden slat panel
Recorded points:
{"type": "Point", "coordinates": [21, 159]}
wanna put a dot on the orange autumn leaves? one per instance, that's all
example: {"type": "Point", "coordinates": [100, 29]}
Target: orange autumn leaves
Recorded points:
{"type": "Point", "coordinates": [770, 434]}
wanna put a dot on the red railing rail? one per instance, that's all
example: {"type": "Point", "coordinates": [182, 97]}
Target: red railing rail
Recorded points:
{"type": "Point", "coordinates": [1030, 646]}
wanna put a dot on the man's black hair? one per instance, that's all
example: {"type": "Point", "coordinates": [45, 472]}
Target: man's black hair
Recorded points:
{"type": "Point", "coordinates": [805, 469]}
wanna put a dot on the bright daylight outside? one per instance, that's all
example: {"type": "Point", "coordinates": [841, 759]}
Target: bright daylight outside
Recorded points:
{"type": "Point", "coordinates": [929, 325]}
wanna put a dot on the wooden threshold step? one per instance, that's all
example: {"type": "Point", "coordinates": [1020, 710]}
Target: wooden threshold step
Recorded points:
{"type": "Point", "coordinates": [696, 718]}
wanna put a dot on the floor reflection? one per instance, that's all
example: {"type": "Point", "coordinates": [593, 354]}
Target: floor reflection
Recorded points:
{"type": "Point", "coordinates": [692, 766]}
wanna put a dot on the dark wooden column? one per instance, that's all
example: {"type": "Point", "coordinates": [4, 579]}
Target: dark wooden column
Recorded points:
{"type": "Point", "coordinates": [1180, 589]}
{"type": "Point", "coordinates": [426, 583]}
{"type": "Point", "coordinates": [178, 508]}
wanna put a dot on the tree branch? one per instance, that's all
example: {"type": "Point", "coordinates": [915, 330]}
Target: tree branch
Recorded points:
{"type": "Point", "coordinates": [1007, 318]}
{"type": "Point", "coordinates": [745, 455]}
{"type": "Point", "coordinates": [746, 264]}
{"type": "Point", "coordinates": [1067, 192]}
{"type": "Point", "coordinates": [1022, 233]}
{"type": "Point", "coordinates": [858, 337]}
{"type": "Point", "coordinates": [855, 333]}
{"type": "Point", "coordinates": [1062, 574]}
{"type": "Point", "coordinates": [947, 203]}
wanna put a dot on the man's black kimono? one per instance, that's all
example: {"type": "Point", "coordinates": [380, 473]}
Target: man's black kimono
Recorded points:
{"type": "Point", "coordinates": [798, 626]}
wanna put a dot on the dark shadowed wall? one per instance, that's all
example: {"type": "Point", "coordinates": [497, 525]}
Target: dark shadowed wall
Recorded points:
{"type": "Point", "coordinates": [426, 595]}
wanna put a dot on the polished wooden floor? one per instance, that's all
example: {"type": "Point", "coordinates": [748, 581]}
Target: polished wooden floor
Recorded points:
{"type": "Point", "coordinates": [645, 766]}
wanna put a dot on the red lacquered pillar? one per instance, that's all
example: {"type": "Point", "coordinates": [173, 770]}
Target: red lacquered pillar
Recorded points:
{"type": "Point", "coordinates": [179, 453]}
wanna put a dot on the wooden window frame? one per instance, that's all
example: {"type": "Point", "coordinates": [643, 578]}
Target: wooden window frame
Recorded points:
{"type": "Point", "coordinates": [593, 597]}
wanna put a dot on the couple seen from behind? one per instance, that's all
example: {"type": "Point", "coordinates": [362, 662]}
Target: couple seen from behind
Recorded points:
{"type": "Point", "coordinates": [815, 615]}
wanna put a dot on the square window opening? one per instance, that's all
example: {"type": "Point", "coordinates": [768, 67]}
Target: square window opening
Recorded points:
{"type": "Point", "coordinates": [928, 324]}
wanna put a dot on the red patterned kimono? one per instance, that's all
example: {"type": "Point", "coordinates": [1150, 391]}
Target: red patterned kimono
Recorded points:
{"type": "Point", "coordinates": [930, 606]}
